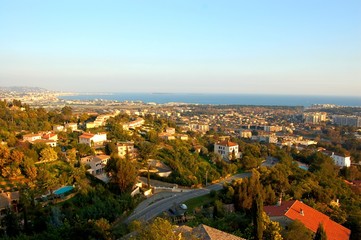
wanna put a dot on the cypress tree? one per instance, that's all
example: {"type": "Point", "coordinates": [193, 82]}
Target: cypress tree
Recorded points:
{"type": "Point", "coordinates": [320, 233]}
{"type": "Point", "coordinates": [257, 210]}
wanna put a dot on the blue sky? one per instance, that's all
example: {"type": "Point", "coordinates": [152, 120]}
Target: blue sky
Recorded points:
{"type": "Point", "coordinates": [271, 46]}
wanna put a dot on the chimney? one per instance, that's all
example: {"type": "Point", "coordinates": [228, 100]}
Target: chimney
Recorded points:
{"type": "Point", "coordinates": [301, 212]}
{"type": "Point", "coordinates": [279, 202]}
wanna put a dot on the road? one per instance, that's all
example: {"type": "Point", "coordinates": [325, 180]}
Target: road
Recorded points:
{"type": "Point", "coordinates": [147, 212]}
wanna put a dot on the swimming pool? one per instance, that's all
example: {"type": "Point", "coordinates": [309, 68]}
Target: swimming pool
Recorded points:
{"type": "Point", "coordinates": [303, 167]}
{"type": "Point", "coordinates": [63, 190]}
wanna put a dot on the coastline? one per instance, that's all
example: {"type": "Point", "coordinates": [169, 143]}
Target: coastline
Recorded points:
{"type": "Point", "coordinates": [214, 99]}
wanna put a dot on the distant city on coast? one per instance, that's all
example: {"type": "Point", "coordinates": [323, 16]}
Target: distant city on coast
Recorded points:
{"type": "Point", "coordinates": [220, 99]}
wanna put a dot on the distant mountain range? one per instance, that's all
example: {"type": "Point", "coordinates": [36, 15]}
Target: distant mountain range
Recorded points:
{"type": "Point", "coordinates": [23, 89]}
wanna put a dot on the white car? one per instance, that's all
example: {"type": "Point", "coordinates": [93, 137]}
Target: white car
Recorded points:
{"type": "Point", "coordinates": [183, 206]}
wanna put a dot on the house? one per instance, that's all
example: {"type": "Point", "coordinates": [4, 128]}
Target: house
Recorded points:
{"type": "Point", "coordinates": [341, 160]}
{"type": "Point", "coordinates": [72, 126]}
{"type": "Point", "coordinates": [245, 133]}
{"type": "Point", "coordinates": [50, 136]}
{"type": "Point", "coordinates": [196, 127]}
{"type": "Point", "coordinates": [96, 163]}
{"type": "Point", "coordinates": [170, 130]}
{"type": "Point", "coordinates": [166, 136]}
{"type": "Point", "coordinates": [125, 148]}
{"type": "Point", "coordinates": [289, 211]}
{"type": "Point", "coordinates": [50, 143]}
{"type": "Point", "coordinates": [183, 137]}
{"type": "Point", "coordinates": [8, 200]}
{"type": "Point", "coordinates": [58, 128]}
{"type": "Point", "coordinates": [136, 123]}
{"type": "Point", "coordinates": [101, 120]}
{"type": "Point", "coordinates": [159, 168]}
{"type": "Point", "coordinates": [205, 232]}
{"type": "Point", "coordinates": [93, 139]}
{"type": "Point", "coordinates": [226, 149]}
{"type": "Point", "coordinates": [133, 124]}
{"type": "Point", "coordinates": [31, 137]}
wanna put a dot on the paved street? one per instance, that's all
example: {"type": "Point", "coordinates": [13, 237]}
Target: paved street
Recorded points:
{"type": "Point", "coordinates": [146, 212]}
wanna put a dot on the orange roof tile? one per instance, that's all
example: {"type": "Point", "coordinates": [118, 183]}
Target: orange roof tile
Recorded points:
{"type": "Point", "coordinates": [206, 232]}
{"type": "Point", "coordinates": [310, 217]}
{"type": "Point", "coordinates": [227, 143]}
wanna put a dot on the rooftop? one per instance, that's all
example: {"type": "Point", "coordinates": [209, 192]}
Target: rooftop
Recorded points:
{"type": "Point", "coordinates": [310, 217]}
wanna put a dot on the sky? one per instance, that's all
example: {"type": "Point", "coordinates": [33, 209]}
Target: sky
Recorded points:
{"type": "Point", "coordinates": [308, 47]}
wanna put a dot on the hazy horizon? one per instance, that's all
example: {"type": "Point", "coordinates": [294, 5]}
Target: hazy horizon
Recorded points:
{"type": "Point", "coordinates": [202, 47]}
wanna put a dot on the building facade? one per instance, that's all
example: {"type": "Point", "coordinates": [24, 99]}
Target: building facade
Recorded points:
{"type": "Point", "coordinates": [227, 149]}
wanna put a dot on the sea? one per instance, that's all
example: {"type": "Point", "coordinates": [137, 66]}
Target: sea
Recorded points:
{"type": "Point", "coordinates": [220, 99]}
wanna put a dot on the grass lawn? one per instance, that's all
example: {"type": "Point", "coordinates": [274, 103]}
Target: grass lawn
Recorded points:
{"type": "Point", "coordinates": [198, 202]}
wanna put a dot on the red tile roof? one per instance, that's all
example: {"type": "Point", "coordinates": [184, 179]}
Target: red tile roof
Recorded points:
{"type": "Point", "coordinates": [227, 143]}
{"type": "Point", "coordinates": [208, 233]}
{"type": "Point", "coordinates": [87, 135]}
{"type": "Point", "coordinates": [310, 217]}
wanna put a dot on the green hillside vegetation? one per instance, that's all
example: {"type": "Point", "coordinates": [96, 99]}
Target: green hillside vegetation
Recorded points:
{"type": "Point", "coordinates": [94, 210]}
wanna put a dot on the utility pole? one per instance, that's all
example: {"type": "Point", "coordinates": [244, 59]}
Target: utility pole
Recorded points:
{"type": "Point", "coordinates": [206, 177]}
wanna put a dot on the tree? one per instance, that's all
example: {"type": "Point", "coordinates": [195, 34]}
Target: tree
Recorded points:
{"type": "Point", "coordinates": [122, 173]}
{"type": "Point", "coordinates": [11, 223]}
{"type": "Point", "coordinates": [104, 227]}
{"type": "Point", "coordinates": [110, 148]}
{"type": "Point", "coordinates": [320, 233]}
{"type": "Point", "coordinates": [257, 209]}
{"type": "Point", "coordinates": [48, 154]}
{"type": "Point", "coordinates": [159, 229]}
{"type": "Point", "coordinates": [218, 209]}
{"type": "Point", "coordinates": [30, 170]}
{"type": "Point", "coordinates": [71, 156]}
{"type": "Point", "coordinates": [146, 150]}
{"type": "Point", "coordinates": [45, 181]}
{"type": "Point", "coordinates": [84, 150]}
{"type": "Point", "coordinates": [297, 231]}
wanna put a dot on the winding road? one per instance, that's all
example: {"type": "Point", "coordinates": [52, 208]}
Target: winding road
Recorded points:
{"type": "Point", "coordinates": [147, 212]}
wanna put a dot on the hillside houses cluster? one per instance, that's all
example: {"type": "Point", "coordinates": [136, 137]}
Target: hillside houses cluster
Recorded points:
{"type": "Point", "coordinates": [170, 134]}
{"type": "Point", "coordinates": [49, 138]}
{"type": "Point", "coordinates": [101, 120]}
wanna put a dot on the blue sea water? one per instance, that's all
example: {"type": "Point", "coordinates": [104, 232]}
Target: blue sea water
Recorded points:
{"type": "Point", "coordinates": [222, 99]}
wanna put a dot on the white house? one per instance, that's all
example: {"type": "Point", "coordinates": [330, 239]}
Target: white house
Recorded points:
{"type": "Point", "coordinates": [341, 161]}
{"type": "Point", "coordinates": [93, 139]}
{"type": "Point", "coordinates": [32, 137]}
{"type": "Point", "coordinates": [226, 149]}
{"type": "Point", "coordinates": [136, 123]}
{"type": "Point", "coordinates": [245, 133]}
{"type": "Point", "coordinates": [51, 143]}
{"type": "Point", "coordinates": [170, 130]}
{"type": "Point", "coordinates": [124, 148]}
{"type": "Point", "coordinates": [96, 163]}
{"type": "Point", "coordinates": [58, 128]}
{"type": "Point", "coordinates": [50, 136]}
{"type": "Point", "coordinates": [72, 126]}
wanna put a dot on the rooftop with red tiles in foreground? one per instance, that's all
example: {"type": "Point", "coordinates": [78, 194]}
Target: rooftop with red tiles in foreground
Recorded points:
{"type": "Point", "coordinates": [310, 217]}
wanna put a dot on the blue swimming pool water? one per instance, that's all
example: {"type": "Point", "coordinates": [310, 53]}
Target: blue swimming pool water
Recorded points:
{"type": "Point", "coordinates": [63, 190]}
